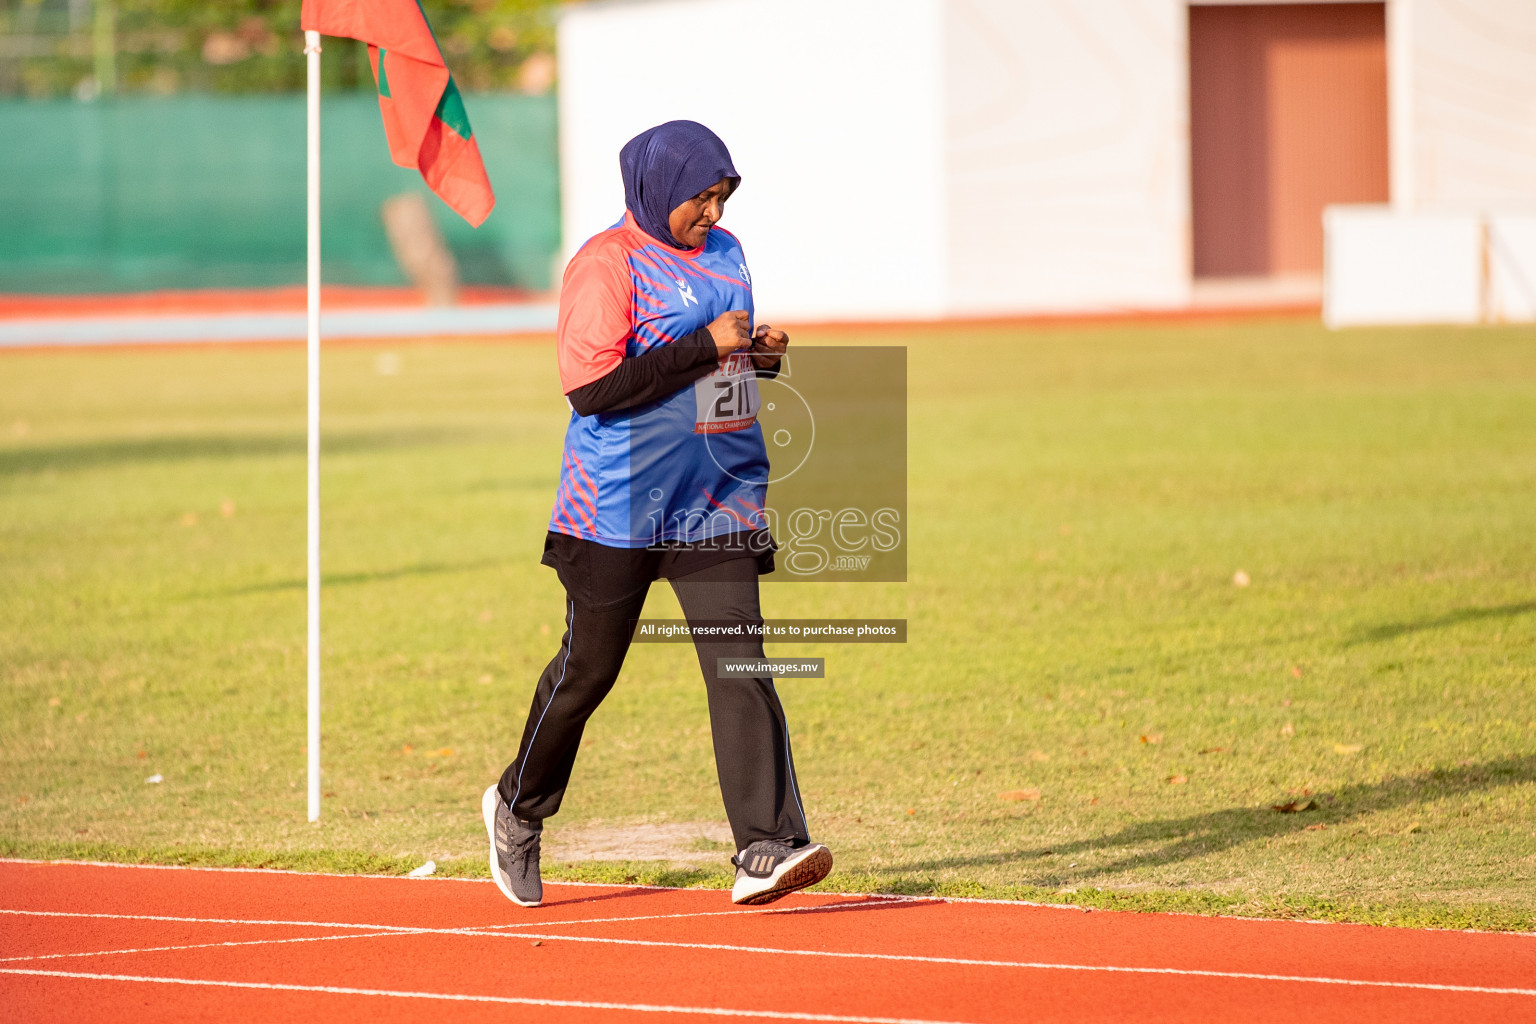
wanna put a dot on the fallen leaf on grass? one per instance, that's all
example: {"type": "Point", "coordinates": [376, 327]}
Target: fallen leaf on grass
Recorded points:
{"type": "Point", "coordinates": [155, 778]}
{"type": "Point", "coordinates": [1015, 795]}
{"type": "Point", "coordinates": [1294, 806]}
{"type": "Point", "coordinates": [1348, 748]}
{"type": "Point", "coordinates": [1039, 755]}
{"type": "Point", "coordinates": [190, 519]}
{"type": "Point", "coordinates": [1214, 750]}
{"type": "Point", "coordinates": [1316, 828]}
{"type": "Point", "coordinates": [485, 680]}
{"type": "Point", "coordinates": [1152, 737]}
{"type": "Point", "coordinates": [485, 616]}
{"type": "Point", "coordinates": [141, 755]}
{"type": "Point", "coordinates": [227, 508]}
{"type": "Point", "coordinates": [1240, 579]}
{"type": "Point", "coordinates": [407, 749]}
{"type": "Point", "coordinates": [429, 868]}
{"type": "Point", "coordinates": [1287, 729]}
{"type": "Point", "coordinates": [1411, 829]}
{"type": "Point", "coordinates": [911, 810]}
{"type": "Point", "coordinates": [440, 752]}
{"type": "Point", "coordinates": [1177, 780]}
{"type": "Point", "coordinates": [54, 702]}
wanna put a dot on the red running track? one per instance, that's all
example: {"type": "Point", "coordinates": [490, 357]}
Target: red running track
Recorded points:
{"type": "Point", "coordinates": [93, 942]}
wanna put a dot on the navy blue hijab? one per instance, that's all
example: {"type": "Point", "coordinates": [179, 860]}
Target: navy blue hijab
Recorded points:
{"type": "Point", "coordinates": [668, 165]}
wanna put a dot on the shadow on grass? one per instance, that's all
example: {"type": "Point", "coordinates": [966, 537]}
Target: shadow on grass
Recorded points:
{"type": "Point", "coordinates": [1196, 835]}
{"type": "Point", "coordinates": [188, 447]}
{"type": "Point", "coordinates": [1393, 630]}
{"type": "Point", "coordinates": [347, 578]}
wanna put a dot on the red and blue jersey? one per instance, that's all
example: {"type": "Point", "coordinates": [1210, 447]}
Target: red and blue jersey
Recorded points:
{"type": "Point", "coordinates": [687, 467]}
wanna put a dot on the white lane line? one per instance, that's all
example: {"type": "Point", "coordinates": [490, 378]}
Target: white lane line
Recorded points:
{"type": "Point", "coordinates": [584, 1004]}
{"type": "Point", "coordinates": [1028, 904]}
{"type": "Point", "coordinates": [1026, 964]}
{"type": "Point", "coordinates": [407, 928]}
{"type": "Point", "coordinates": [670, 917]}
{"type": "Point", "coordinates": [897, 957]}
{"type": "Point", "coordinates": [223, 920]}
{"type": "Point", "coordinates": [199, 945]}
{"type": "Point", "coordinates": [498, 318]}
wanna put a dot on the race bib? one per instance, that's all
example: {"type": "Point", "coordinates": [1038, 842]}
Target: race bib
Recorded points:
{"type": "Point", "coordinates": [727, 399]}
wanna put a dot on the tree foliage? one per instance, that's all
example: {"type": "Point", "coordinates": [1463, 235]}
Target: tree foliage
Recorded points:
{"type": "Point", "coordinates": [85, 47]}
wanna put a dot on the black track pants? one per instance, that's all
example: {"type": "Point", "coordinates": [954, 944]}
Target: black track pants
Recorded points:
{"type": "Point", "coordinates": [752, 756]}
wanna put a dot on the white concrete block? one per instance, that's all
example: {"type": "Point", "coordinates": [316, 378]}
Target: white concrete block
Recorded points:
{"type": "Point", "coordinates": [1512, 267]}
{"type": "Point", "coordinates": [1386, 267]}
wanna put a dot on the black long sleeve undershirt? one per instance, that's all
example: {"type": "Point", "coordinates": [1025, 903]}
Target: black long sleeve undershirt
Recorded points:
{"type": "Point", "coordinates": [662, 371]}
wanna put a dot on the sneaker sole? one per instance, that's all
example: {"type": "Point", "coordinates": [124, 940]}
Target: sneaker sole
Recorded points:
{"type": "Point", "coordinates": [808, 870]}
{"type": "Point", "coordinates": [488, 812]}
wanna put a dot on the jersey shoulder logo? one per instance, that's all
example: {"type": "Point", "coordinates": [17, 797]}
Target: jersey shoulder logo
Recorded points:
{"type": "Point", "coordinates": [744, 275]}
{"type": "Point", "coordinates": [686, 291]}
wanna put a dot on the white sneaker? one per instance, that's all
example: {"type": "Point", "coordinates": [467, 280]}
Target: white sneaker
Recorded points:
{"type": "Point", "coordinates": [769, 869]}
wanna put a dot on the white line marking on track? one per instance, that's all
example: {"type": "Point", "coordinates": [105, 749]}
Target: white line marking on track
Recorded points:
{"type": "Point", "coordinates": [225, 920]}
{"type": "Point", "coordinates": [710, 1011]}
{"type": "Point", "coordinates": [198, 945]}
{"type": "Point", "coordinates": [899, 957]}
{"type": "Point", "coordinates": [408, 928]}
{"type": "Point", "coordinates": [668, 917]}
{"type": "Point", "coordinates": [1031, 904]}
{"type": "Point", "coordinates": [1026, 964]}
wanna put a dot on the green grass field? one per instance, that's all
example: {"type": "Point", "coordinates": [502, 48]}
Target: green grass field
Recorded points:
{"type": "Point", "coordinates": [1080, 500]}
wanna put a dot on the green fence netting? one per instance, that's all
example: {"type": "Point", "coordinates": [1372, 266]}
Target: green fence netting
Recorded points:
{"type": "Point", "coordinates": [137, 193]}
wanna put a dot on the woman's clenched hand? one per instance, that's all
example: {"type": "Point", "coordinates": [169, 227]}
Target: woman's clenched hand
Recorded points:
{"type": "Point", "coordinates": [768, 346]}
{"type": "Point", "coordinates": [730, 332]}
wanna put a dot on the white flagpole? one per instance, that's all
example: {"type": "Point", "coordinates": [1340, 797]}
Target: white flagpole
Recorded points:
{"type": "Point", "coordinates": [312, 75]}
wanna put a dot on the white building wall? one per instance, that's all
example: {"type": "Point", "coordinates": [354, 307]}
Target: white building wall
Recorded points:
{"type": "Point", "coordinates": [1459, 245]}
{"type": "Point", "coordinates": [837, 133]}
{"type": "Point", "coordinates": [1067, 155]}
{"type": "Point", "coordinates": [1464, 102]}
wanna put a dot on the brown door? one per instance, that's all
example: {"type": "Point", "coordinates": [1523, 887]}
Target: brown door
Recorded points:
{"type": "Point", "coordinates": [1288, 113]}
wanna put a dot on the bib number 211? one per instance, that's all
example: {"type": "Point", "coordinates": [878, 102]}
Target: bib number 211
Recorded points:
{"type": "Point", "coordinates": [727, 399]}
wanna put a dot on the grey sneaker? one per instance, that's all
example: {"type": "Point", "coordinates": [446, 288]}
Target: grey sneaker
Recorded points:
{"type": "Point", "coordinates": [769, 869]}
{"type": "Point", "coordinates": [514, 851]}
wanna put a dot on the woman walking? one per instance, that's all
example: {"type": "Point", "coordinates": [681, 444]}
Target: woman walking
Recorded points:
{"type": "Point", "coordinates": [664, 476]}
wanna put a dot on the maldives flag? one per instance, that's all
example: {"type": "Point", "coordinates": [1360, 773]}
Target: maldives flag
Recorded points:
{"type": "Point", "coordinates": [424, 116]}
